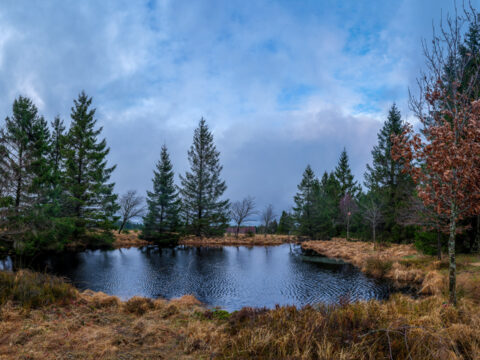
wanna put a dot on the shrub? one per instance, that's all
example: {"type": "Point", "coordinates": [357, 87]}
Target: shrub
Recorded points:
{"type": "Point", "coordinates": [216, 314]}
{"type": "Point", "coordinates": [139, 305]}
{"type": "Point", "coordinates": [426, 242]}
{"type": "Point", "coordinates": [377, 267]}
{"type": "Point", "coordinates": [32, 290]}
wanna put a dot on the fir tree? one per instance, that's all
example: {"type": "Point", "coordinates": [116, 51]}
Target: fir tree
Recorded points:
{"type": "Point", "coordinates": [344, 176]}
{"type": "Point", "coordinates": [386, 176]}
{"type": "Point", "coordinates": [91, 201]}
{"type": "Point", "coordinates": [328, 200]}
{"type": "Point", "coordinates": [285, 224]}
{"type": "Point", "coordinates": [57, 142]}
{"type": "Point", "coordinates": [162, 218]}
{"type": "Point", "coordinates": [21, 144]}
{"type": "Point", "coordinates": [25, 141]}
{"type": "Point", "coordinates": [202, 187]}
{"type": "Point", "coordinates": [57, 163]}
{"type": "Point", "coordinates": [305, 203]}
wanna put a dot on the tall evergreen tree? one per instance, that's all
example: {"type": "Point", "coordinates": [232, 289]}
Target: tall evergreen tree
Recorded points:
{"type": "Point", "coordinates": [57, 163]}
{"type": "Point", "coordinates": [285, 224]}
{"type": "Point", "coordinates": [344, 176]}
{"type": "Point", "coordinates": [90, 198]}
{"type": "Point", "coordinates": [21, 142]}
{"type": "Point", "coordinates": [28, 176]}
{"type": "Point", "coordinates": [386, 176]}
{"type": "Point", "coordinates": [202, 187]}
{"type": "Point", "coordinates": [305, 209]}
{"type": "Point", "coordinates": [162, 218]}
{"type": "Point", "coordinates": [328, 210]}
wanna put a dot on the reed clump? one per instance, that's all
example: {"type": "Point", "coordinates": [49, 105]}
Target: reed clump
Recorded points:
{"type": "Point", "coordinates": [32, 289]}
{"type": "Point", "coordinates": [400, 328]}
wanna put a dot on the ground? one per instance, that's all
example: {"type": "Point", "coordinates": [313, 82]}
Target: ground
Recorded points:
{"type": "Point", "coordinates": [44, 318]}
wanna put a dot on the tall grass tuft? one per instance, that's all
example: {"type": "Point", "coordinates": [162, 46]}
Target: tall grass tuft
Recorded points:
{"type": "Point", "coordinates": [32, 290]}
{"type": "Point", "coordinates": [401, 328]}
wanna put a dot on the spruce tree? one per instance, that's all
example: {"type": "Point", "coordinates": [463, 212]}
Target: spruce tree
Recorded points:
{"type": "Point", "coordinates": [23, 148]}
{"type": "Point", "coordinates": [90, 198]}
{"type": "Point", "coordinates": [26, 200]}
{"type": "Point", "coordinates": [57, 163]}
{"type": "Point", "coordinates": [162, 219]}
{"type": "Point", "coordinates": [285, 224]}
{"type": "Point", "coordinates": [344, 176]}
{"type": "Point", "coordinates": [386, 177]}
{"type": "Point", "coordinates": [202, 188]}
{"type": "Point", "coordinates": [327, 204]}
{"type": "Point", "coordinates": [305, 209]}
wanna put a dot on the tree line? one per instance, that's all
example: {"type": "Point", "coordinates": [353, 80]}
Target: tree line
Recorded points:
{"type": "Point", "coordinates": [423, 184]}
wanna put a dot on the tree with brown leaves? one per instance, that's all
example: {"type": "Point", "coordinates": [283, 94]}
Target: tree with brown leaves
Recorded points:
{"type": "Point", "coordinates": [443, 159]}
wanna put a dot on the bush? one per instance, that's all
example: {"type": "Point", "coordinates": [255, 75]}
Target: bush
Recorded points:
{"type": "Point", "coordinates": [139, 305]}
{"type": "Point", "coordinates": [216, 314]}
{"type": "Point", "coordinates": [250, 234]}
{"type": "Point", "coordinates": [426, 242]}
{"type": "Point", "coordinates": [377, 267]}
{"type": "Point", "coordinates": [32, 290]}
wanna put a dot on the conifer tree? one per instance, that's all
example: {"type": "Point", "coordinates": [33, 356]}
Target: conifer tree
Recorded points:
{"type": "Point", "coordinates": [344, 176]}
{"type": "Point", "coordinates": [202, 188]}
{"type": "Point", "coordinates": [305, 209]}
{"type": "Point", "coordinates": [90, 198]}
{"type": "Point", "coordinates": [285, 224]}
{"type": "Point", "coordinates": [162, 218]}
{"type": "Point", "coordinates": [22, 148]}
{"type": "Point", "coordinates": [28, 177]}
{"type": "Point", "coordinates": [386, 177]}
{"type": "Point", "coordinates": [57, 161]}
{"type": "Point", "coordinates": [328, 210]}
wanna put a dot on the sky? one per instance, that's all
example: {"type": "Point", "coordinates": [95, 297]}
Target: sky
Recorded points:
{"type": "Point", "coordinates": [282, 84]}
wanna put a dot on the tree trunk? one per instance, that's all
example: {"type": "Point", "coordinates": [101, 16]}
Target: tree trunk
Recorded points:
{"type": "Point", "coordinates": [238, 230]}
{"type": "Point", "coordinates": [451, 254]}
{"type": "Point", "coordinates": [477, 234]}
{"type": "Point", "coordinates": [348, 227]}
{"type": "Point", "coordinates": [439, 245]}
{"type": "Point", "coordinates": [374, 240]}
{"type": "Point", "coordinates": [121, 226]}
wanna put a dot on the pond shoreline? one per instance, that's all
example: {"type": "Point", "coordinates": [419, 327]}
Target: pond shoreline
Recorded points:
{"type": "Point", "coordinates": [400, 263]}
{"type": "Point", "coordinates": [61, 321]}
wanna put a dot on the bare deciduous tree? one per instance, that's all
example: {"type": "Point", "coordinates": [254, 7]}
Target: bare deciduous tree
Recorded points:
{"type": "Point", "coordinates": [131, 206]}
{"type": "Point", "coordinates": [417, 214]}
{"type": "Point", "coordinates": [348, 207]}
{"type": "Point", "coordinates": [372, 212]}
{"type": "Point", "coordinates": [268, 215]}
{"type": "Point", "coordinates": [241, 211]}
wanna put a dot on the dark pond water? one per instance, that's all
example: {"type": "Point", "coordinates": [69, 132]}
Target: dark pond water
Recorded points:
{"type": "Point", "coordinates": [229, 277]}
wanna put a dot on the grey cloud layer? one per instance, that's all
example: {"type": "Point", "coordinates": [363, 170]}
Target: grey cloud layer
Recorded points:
{"type": "Point", "coordinates": [154, 68]}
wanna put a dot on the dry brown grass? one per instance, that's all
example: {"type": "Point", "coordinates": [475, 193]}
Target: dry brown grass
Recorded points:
{"type": "Point", "coordinates": [99, 327]}
{"type": "Point", "coordinates": [400, 328]}
{"type": "Point", "coordinates": [92, 325]}
{"type": "Point", "coordinates": [404, 265]}
{"type": "Point", "coordinates": [398, 262]}
{"type": "Point", "coordinates": [242, 240]}
{"type": "Point", "coordinates": [129, 240]}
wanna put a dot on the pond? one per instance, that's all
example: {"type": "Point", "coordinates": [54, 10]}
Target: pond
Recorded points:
{"type": "Point", "coordinates": [229, 277]}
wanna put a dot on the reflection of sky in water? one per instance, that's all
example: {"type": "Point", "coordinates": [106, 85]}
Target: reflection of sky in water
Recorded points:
{"type": "Point", "coordinates": [229, 277]}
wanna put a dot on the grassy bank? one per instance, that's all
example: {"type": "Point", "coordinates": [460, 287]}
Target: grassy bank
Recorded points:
{"type": "Point", "coordinates": [241, 240]}
{"type": "Point", "coordinates": [131, 239]}
{"type": "Point", "coordinates": [405, 265]}
{"type": "Point", "coordinates": [92, 325]}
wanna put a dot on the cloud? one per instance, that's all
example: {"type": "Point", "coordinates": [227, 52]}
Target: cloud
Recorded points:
{"type": "Point", "coordinates": [281, 84]}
